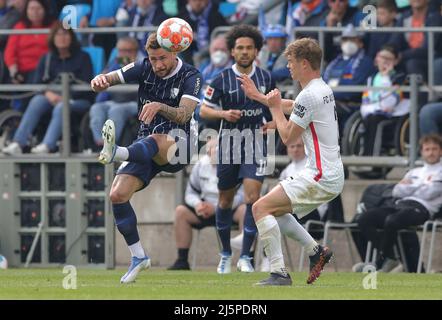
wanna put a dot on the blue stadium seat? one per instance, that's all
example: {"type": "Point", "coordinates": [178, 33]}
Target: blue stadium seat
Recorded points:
{"type": "Point", "coordinates": [97, 58]}
{"type": "Point", "coordinates": [81, 10]}
{"type": "Point", "coordinates": [113, 55]}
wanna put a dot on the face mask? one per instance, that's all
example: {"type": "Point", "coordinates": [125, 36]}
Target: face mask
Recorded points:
{"type": "Point", "coordinates": [349, 48]}
{"type": "Point", "coordinates": [219, 58]}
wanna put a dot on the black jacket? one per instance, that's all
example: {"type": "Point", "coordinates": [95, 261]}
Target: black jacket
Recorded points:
{"type": "Point", "coordinates": [78, 64]}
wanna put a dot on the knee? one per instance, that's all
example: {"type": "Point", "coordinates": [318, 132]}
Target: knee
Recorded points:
{"type": "Point", "coordinates": [251, 197]}
{"type": "Point", "coordinates": [391, 223]}
{"type": "Point", "coordinates": [58, 109]}
{"type": "Point", "coordinates": [118, 195]}
{"type": "Point", "coordinates": [180, 213]}
{"type": "Point", "coordinates": [258, 210]}
{"type": "Point", "coordinates": [225, 202]}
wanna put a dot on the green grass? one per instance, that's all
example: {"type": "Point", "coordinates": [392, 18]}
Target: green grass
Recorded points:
{"type": "Point", "coordinates": [165, 285]}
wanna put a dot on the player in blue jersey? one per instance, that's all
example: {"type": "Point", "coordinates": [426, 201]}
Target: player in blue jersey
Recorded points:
{"type": "Point", "coordinates": [224, 99]}
{"type": "Point", "coordinates": [167, 96]}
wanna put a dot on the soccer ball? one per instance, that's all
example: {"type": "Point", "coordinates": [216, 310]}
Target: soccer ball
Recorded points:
{"type": "Point", "coordinates": [3, 262]}
{"type": "Point", "coordinates": [174, 35]}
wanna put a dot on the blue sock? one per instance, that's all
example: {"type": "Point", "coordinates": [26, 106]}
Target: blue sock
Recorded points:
{"type": "Point", "coordinates": [224, 219]}
{"type": "Point", "coordinates": [126, 222]}
{"type": "Point", "coordinates": [143, 150]}
{"type": "Point", "coordinates": [249, 231]}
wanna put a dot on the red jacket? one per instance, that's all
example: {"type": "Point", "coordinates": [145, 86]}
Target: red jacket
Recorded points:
{"type": "Point", "coordinates": [25, 50]}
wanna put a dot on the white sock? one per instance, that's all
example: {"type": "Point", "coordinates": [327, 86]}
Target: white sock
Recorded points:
{"type": "Point", "coordinates": [271, 238]}
{"type": "Point", "coordinates": [136, 250]}
{"type": "Point", "coordinates": [311, 248]}
{"type": "Point", "coordinates": [293, 229]}
{"type": "Point", "coordinates": [121, 154]}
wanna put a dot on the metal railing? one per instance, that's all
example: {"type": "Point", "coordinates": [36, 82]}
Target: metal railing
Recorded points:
{"type": "Point", "coordinates": [414, 88]}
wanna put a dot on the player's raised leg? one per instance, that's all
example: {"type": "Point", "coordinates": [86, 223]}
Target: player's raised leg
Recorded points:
{"type": "Point", "coordinates": [123, 187]}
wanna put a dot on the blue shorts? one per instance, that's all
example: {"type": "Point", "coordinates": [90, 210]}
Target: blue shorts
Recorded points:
{"type": "Point", "coordinates": [147, 171]}
{"type": "Point", "coordinates": [230, 175]}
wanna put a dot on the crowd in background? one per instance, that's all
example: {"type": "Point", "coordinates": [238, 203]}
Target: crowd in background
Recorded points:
{"type": "Point", "coordinates": [350, 57]}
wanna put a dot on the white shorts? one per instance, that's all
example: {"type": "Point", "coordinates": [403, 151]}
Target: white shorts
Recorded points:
{"type": "Point", "coordinates": [305, 194]}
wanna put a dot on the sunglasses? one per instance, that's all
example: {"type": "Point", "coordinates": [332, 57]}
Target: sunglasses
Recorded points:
{"type": "Point", "coordinates": [333, 1]}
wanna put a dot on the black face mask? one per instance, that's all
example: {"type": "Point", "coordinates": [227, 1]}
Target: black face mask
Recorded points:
{"type": "Point", "coordinates": [123, 60]}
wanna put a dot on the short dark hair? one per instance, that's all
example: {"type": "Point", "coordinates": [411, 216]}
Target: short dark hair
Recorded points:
{"type": "Point", "coordinates": [431, 138]}
{"type": "Point", "coordinates": [305, 48]}
{"type": "Point", "coordinates": [389, 5]}
{"type": "Point", "coordinates": [75, 45]}
{"type": "Point", "coordinates": [151, 42]}
{"type": "Point", "coordinates": [47, 19]}
{"type": "Point", "coordinates": [389, 48]}
{"type": "Point", "coordinates": [244, 31]}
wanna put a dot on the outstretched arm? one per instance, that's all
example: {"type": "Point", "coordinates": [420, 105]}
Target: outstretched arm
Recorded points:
{"type": "Point", "coordinates": [103, 81]}
{"type": "Point", "coordinates": [252, 92]}
{"type": "Point", "coordinates": [180, 115]}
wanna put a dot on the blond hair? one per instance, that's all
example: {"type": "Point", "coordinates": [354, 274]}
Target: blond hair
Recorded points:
{"type": "Point", "coordinates": [305, 48]}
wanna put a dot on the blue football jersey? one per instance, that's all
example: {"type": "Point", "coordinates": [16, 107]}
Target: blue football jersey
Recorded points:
{"type": "Point", "coordinates": [225, 93]}
{"type": "Point", "coordinates": [184, 81]}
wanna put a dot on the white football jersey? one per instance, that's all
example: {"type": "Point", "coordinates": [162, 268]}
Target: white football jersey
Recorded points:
{"type": "Point", "coordinates": [315, 111]}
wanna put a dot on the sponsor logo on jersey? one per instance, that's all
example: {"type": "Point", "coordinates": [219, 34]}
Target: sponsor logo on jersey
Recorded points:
{"type": "Point", "coordinates": [251, 113]}
{"type": "Point", "coordinates": [299, 110]}
{"type": "Point", "coordinates": [197, 86]}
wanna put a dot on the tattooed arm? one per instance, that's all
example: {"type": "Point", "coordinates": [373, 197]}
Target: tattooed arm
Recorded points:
{"type": "Point", "coordinates": [180, 115]}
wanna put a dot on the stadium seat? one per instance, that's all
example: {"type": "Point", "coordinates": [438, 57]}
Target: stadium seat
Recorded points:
{"type": "Point", "coordinates": [113, 55]}
{"type": "Point", "coordinates": [81, 11]}
{"type": "Point", "coordinates": [97, 58]}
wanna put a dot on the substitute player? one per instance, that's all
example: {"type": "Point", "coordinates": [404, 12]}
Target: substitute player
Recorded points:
{"type": "Point", "coordinates": [312, 116]}
{"type": "Point", "coordinates": [167, 96]}
{"type": "Point", "coordinates": [224, 99]}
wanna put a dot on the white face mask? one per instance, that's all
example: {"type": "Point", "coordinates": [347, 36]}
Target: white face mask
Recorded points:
{"type": "Point", "coordinates": [349, 48]}
{"type": "Point", "coordinates": [219, 58]}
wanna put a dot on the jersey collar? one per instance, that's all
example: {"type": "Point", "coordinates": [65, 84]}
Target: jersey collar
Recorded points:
{"type": "Point", "coordinates": [174, 72]}
{"type": "Point", "coordinates": [235, 70]}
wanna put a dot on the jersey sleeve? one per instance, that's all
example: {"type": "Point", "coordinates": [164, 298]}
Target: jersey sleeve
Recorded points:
{"type": "Point", "coordinates": [213, 93]}
{"type": "Point", "coordinates": [192, 87]}
{"type": "Point", "coordinates": [303, 110]}
{"type": "Point", "coordinates": [131, 72]}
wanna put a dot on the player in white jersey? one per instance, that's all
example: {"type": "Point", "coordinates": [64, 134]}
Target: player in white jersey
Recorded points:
{"type": "Point", "coordinates": [312, 116]}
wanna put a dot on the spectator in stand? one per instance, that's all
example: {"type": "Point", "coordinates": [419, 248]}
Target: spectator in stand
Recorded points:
{"type": "Point", "coordinates": [23, 52]}
{"type": "Point", "coordinates": [10, 16]}
{"type": "Point", "coordinates": [102, 15]}
{"type": "Point", "coordinates": [351, 67]}
{"type": "Point", "coordinates": [65, 55]}
{"type": "Point", "coordinates": [305, 13]}
{"type": "Point", "coordinates": [339, 14]}
{"type": "Point", "coordinates": [201, 199]}
{"type": "Point", "coordinates": [419, 198]}
{"type": "Point", "coordinates": [219, 60]}
{"type": "Point", "coordinates": [412, 46]}
{"type": "Point", "coordinates": [380, 105]}
{"type": "Point", "coordinates": [430, 118]}
{"type": "Point", "coordinates": [271, 57]}
{"type": "Point", "coordinates": [203, 16]}
{"type": "Point", "coordinates": [146, 13]}
{"type": "Point", "coordinates": [386, 12]}
{"type": "Point", "coordinates": [118, 106]}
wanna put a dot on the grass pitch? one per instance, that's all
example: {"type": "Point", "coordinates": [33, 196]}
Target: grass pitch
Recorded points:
{"type": "Point", "coordinates": [156, 284]}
